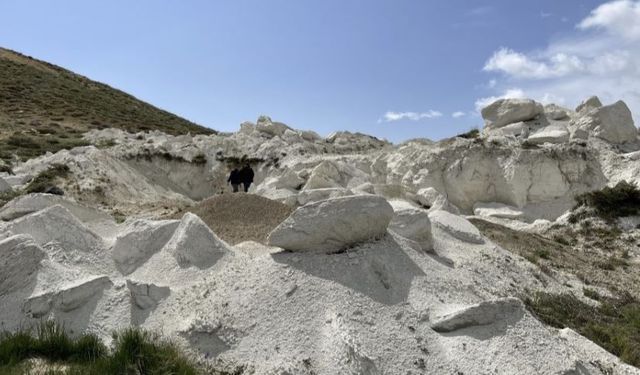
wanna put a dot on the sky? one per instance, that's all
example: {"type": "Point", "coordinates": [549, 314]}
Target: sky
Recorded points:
{"type": "Point", "coordinates": [395, 69]}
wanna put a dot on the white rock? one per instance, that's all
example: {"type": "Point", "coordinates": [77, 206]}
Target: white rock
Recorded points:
{"type": "Point", "coordinates": [614, 123]}
{"type": "Point", "coordinates": [499, 210]}
{"type": "Point", "coordinates": [333, 224]}
{"type": "Point", "coordinates": [194, 244]}
{"type": "Point", "coordinates": [412, 223]}
{"type": "Point", "coordinates": [315, 195]}
{"type": "Point", "coordinates": [434, 200]}
{"type": "Point", "coordinates": [477, 315]}
{"type": "Point", "coordinates": [67, 298]}
{"type": "Point", "coordinates": [507, 111]}
{"type": "Point", "coordinates": [324, 175]}
{"type": "Point", "coordinates": [4, 186]}
{"type": "Point", "coordinates": [57, 224]}
{"type": "Point", "coordinates": [31, 203]}
{"type": "Point", "coordinates": [589, 103]}
{"type": "Point", "coordinates": [147, 295]}
{"type": "Point", "coordinates": [555, 112]}
{"type": "Point", "coordinates": [516, 129]}
{"type": "Point", "coordinates": [140, 240]}
{"type": "Point", "coordinates": [18, 180]}
{"type": "Point", "coordinates": [265, 125]}
{"type": "Point", "coordinates": [20, 257]}
{"type": "Point", "coordinates": [456, 226]}
{"type": "Point", "coordinates": [550, 134]}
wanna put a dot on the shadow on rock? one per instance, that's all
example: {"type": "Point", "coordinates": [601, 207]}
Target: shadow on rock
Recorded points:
{"type": "Point", "coordinates": [380, 270]}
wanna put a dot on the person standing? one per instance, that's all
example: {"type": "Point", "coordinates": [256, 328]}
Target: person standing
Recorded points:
{"type": "Point", "coordinates": [246, 177]}
{"type": "Point", "coordinates": [235, 179]}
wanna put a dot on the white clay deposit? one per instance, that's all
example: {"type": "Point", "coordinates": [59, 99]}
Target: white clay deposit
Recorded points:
{"type": "Point", "coordinates": [376, 269]}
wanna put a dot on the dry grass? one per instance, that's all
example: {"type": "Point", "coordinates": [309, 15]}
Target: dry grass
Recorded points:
{"type": "Point", "coordinates": [240, 217]}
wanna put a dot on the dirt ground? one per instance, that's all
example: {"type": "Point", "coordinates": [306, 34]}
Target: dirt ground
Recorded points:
{"type": "Point", "coordinates": [240, 217]}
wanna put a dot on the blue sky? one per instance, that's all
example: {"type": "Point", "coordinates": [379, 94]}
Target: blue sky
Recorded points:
{"type": "Point", "coordinates": [396, 69]}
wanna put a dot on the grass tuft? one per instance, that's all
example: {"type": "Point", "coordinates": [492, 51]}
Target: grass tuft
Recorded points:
{"type": "Point", "coordinates": [134, 351]}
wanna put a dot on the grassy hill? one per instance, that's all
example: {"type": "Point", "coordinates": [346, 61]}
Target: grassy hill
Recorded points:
{"type": "Point", "coordinates": [47, 108]}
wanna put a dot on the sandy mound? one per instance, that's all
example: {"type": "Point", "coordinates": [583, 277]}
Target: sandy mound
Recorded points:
{"type": "Point", "coordinates": [240, 217]}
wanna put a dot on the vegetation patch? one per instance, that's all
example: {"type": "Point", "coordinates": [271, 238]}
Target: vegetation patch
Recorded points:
{"type": "Point", "coordinates": [134, 351]}
{"type": "Point", "coordinates": [614, 324]}
{"type": "Point", "coordinates": [471, 134]}
{"type": "Point", "coordinates": [47, 108]}
{"type": "Point", "coordinates": [610, 203]}
{"type": "Point", "coordinates": [47, 178]}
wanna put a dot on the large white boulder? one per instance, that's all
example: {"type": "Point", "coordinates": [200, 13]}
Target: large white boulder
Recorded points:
{"type": "Point", "coordinates": [507, 111]}
{"type": "Point", "coordinates": [334, 224]}
{"type": "Point", "coordinates": [194, 244]}
{"type": "Point", "coordinates": [590, 103]}
{"type": "Point", "coordinates": [456, 226]}
{"type": "Point", "coordinates": [613, 123]}
{"type": "Point", "coordinates": [412, 223]}
{"type": "Point", "coordinates": [555, 133]}
{"type": "Point", "coordinates": [4, 186]}
{"type": "Point", "coordinates": [139, 241]}
{"type": "Point", "coordinates": [57, 224]}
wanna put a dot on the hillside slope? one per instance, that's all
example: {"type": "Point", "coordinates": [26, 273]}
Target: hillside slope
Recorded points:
{"type": "Point", "coordinates": [47, 108]}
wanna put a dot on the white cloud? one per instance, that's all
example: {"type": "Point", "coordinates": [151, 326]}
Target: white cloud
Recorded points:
{"type": "Point", "coordinates": [620, 17]}
{"type": "Point", "coordinates": [601, 57]}
{"type": "Point", "coordinates": [458, 114]}
{"type": "Point", "coordinates": [390, 116]}
{"type": "Point", "coordinates": [514, 93]}
{"type": "Point", "coordinates": [544, 14]}
{"type": "Point", "coordinates": [521, 66]}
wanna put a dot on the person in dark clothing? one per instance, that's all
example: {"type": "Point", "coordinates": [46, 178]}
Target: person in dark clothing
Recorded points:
{"type": "Point", "coordinates": [246, 177]}
{"type": "Point", "coordinates": [234, 179]}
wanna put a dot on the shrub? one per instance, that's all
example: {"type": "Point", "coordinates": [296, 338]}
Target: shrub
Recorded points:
{"type": "Point", "coordinates": [612, 202]}
{"type": "Point", "coordinates": [47, 177]}
{"type": "Point", "coordinates": [471, 134]}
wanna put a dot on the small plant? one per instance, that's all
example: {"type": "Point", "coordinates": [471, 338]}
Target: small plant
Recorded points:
{"type": "Point", "coordinates": [590, 293]}
{"type": "Point", "coordinates": [199, 159]}
{"type": "Point", "coordinates": [47, 177]}
{"type": "Point", "coordinates": [471, 134]}
{"type": "Point", "coordinates": [106, 143]}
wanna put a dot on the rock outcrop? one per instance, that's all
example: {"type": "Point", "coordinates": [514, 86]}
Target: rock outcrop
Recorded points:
{"type": "Point", "coordinates": [508, 111]}
{"type": "Point", "coordinates": [456, 226]}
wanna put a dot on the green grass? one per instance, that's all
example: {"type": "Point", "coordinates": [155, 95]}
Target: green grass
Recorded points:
{"type": "Point", "coordinates": [134, 351]}
{"type": "Point", "coordinates": [611, 202]}
{"type": "Point", "coordinates": [614, 324]}
{"type": "Point", "coordinates": [47, 178]}
{"type": "Point", "coordinates": [47, 108]}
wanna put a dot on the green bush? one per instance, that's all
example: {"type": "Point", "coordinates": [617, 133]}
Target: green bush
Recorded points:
{"type": "Point", "coordinates": [612, 202]}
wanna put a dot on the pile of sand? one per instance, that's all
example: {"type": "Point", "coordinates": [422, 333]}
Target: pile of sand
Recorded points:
{"type": "Point", "coordinates": [240, 217]}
